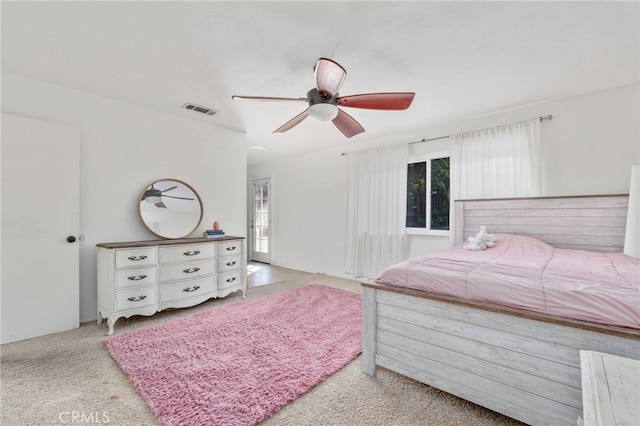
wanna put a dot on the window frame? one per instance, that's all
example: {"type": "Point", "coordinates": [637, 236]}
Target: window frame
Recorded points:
{"type": "Point", "coordinates": [427, 157]}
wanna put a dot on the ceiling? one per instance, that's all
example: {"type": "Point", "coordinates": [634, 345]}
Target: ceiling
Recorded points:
{"type": "Point", "coordinates": [462, 59]}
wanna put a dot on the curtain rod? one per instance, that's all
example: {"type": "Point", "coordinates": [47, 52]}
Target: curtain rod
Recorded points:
{"type": "Point", "coordinates": [542, 118]}
{"type": "Point", "coordinates": [546, 117]}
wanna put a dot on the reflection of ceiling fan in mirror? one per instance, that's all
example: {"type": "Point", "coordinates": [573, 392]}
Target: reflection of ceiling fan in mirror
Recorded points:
{"type": "Point", "coordinates": [324, 100]}
{"type": "Point", "coordinates": [153, 196]}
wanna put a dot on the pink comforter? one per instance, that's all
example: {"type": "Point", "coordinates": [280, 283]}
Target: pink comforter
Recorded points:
{"type": "Point", "coordinates": [524, 272]}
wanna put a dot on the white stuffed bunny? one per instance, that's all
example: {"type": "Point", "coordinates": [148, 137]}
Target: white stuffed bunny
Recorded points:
{"type": "Point", "coordinates": [489, 239]}
{"type": "Point", "coordinates": [481, 241]}
{"type": "Point", "coordinates": [475, 244]}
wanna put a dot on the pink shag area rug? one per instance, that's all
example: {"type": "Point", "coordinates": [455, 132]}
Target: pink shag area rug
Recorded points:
{"type": "Point", "coordinates": [239, 364]}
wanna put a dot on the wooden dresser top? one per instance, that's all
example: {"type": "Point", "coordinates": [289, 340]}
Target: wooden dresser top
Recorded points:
{"type": "Point", "coordinates": [153, 243]}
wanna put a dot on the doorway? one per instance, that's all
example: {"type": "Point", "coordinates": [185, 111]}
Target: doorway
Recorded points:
{"type": "Point", "coordinates": [260, 225]}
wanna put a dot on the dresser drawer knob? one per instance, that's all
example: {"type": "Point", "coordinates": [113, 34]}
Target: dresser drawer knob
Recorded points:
{"type": "Point", "coordinates": [136, 258]}
{"type": "Point", "coordinates": [191, 253]}
{"type": "Point", "coordinates": [136, 299]}
{"type": "Point", "coordinates": [232, 248]}
{"type": "Point", "coordinates": [191, 270]}
{"type": "Point", "coordinates": [230, 280]}
{"type": "Point", "coordinates": [138, 278]}
{"type": "Point", "coordinates": [231, 263]}
{"type": "Point", "coordinates": [190, 289]}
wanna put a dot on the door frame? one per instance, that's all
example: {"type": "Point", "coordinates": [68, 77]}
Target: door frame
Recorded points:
{"type": "Point", "coordinates": [268, 257]}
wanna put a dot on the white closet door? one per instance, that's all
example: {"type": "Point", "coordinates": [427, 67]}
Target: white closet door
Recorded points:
{"type": "Point", "coordinates": [39, 290]}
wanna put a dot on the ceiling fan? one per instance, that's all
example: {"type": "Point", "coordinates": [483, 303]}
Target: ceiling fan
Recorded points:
{"type": "Point", "coordinates": [324, 100]}
{"type": "Point", "coordinates": [153, 196]}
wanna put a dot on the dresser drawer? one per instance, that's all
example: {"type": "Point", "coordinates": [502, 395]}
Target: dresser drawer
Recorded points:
{"type": "Point", "coordinates": [186, 270]}
{"type": "Point", "coordinates": [135, 277]}
{"type": "Point", "coordinates": [230, 279]}
{"type": "Point", "coordinates": [188, 288]}
{"type": "Point", "coordinates": [227, 248]}
{"type": "Point", "coordinates": [135, 257]}
{"type": "Point", "coordinates": [186, 253]}
{"type": "Point", "coordinates": [229, 263]}
{"type": "Point", "coordinates": [135, 298]}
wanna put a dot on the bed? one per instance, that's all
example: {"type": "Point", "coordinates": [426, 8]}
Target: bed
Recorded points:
{"type": "Point", "coordinates": [514, 356]}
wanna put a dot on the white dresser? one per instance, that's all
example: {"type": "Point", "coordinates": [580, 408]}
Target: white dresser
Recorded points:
{"type": "Point", "coordinates": [144, 277]}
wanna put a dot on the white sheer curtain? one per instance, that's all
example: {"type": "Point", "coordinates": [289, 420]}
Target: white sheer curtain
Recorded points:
{"type": "Point", "coordinates": [376, 197]}
{"type": "Point", "coordinates": [499, 162]}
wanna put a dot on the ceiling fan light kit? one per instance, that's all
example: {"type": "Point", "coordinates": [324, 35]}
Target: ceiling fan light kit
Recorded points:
{"type": "Point", "coordinates": [323, 112]}
{"type": "Point", "coordinates": [324, 100]}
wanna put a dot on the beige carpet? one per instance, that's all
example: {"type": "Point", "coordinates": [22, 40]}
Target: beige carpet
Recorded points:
{"type": "Point", "coordinates": [69, 378]}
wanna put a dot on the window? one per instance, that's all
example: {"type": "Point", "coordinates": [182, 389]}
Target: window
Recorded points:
{"type": "Point", "coordinates": [428, 194]}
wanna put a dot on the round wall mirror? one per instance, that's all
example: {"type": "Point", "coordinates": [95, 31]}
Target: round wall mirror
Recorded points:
{"type": "Point", "coordinates": [170, 208]}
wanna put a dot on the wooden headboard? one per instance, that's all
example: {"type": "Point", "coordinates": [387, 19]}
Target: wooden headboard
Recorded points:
{"type": "Point", "coordinates": [594, 222]}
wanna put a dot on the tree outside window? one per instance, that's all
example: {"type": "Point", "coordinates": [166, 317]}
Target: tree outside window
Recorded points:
{"type": "Point", "coordinates": [428, 194]}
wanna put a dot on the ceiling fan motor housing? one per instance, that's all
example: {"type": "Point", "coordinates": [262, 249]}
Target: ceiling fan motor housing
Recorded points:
{"type": "Point", "coordinates": [316, 97]}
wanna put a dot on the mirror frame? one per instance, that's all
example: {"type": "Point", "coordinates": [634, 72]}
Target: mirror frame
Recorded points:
{"type": "Point", "coordinates": [177, 181]}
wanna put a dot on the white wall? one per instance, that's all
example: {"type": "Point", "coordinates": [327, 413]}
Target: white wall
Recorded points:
{"type": "Point", "coordinates": [308, 215]}
{"type": "Point", "coordinates": [123, 148]}
{"type": "Point", "coordinates": [588, 148]}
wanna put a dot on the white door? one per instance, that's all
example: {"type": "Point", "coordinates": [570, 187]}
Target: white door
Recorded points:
{"type": "Point", "coordinates": [39, 287]}
{"type": "Point", "coordinates": [261, 220]}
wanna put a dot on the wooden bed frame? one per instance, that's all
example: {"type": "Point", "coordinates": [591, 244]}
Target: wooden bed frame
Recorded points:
{"type": "Point", "coordinates": [519, 363]}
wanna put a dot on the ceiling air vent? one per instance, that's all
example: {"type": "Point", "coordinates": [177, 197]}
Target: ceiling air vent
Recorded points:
{"type": "Point", "coordinates": [198, 108]}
